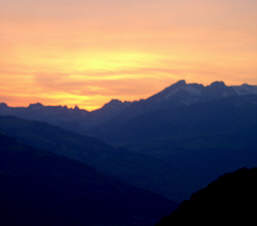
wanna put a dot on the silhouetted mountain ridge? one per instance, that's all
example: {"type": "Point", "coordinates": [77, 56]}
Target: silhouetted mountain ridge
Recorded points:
{"type": "Point", "coordinates": [191, 93]}
{"type": "Point", "coordinates": [231, 199]}
{"type": "Point", "coordinates": [181, 93]}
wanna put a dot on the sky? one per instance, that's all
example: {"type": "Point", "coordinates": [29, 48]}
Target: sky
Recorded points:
{"type": "Point", "coordinates": [86, 52]}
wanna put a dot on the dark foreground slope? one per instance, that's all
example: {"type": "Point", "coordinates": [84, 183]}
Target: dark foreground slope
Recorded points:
{"type": "Point", "coordinates": [40, 188]}
{"type": "Point", "coordinates": [230, 199]}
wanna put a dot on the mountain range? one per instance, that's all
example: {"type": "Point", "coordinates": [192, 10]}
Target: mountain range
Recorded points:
{"type": "Point", "coordinates": [82, 121]}
{"type": "Point", "coordinates": [172, 143]}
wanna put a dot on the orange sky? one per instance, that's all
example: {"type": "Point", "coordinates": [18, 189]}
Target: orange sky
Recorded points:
{"type": "Point", "coordinates": [86, 52]}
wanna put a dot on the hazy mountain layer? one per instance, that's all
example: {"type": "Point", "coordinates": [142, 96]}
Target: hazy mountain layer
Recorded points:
{"type": "Point", "coordinates": [43, 189]}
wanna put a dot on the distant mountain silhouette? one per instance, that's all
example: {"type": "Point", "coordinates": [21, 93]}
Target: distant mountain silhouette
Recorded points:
{"type": "Point", "coordinates": [69, 118]}
{"type": "Point", "coordinates": [181, 95]}
{"type": "Point", "coordinates": [230, 200]}
{"type": "Point", "coordinates": [74, 119]}
{"type": "Point", "coordinates": [43, 189]}
{"type": "Point", "coordinates": [81, 121]}
{"type": "Point", "coordinates": [193, 92]}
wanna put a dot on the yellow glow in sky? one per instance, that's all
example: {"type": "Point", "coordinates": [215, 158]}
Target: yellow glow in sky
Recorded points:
{"type": "Point", "coordinates": [74, 52]}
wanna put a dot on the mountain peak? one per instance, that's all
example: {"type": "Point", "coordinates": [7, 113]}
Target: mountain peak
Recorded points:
{"type": "Point", "coordinates": [36, 105]}
{"type": "Point", "coordinates": [114, 105]}
{"type": "Point", "coordinates": [3, 105]}
{"type": "Point", "coordinates": [246, 85]}
{"type": "Point", "coordinates": [218, 84]}
{"type": "Point", "coordinates": [245, 89]}
{"type": "Point", "coordinates": [115, 101]}
{"type": "Point", "coordinates": [76, 108]}
{"type": "Point", "coordinates": [180, 83]}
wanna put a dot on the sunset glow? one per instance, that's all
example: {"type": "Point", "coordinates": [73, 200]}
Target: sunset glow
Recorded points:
{"type": "Point", "coordinates": [75, 52]}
